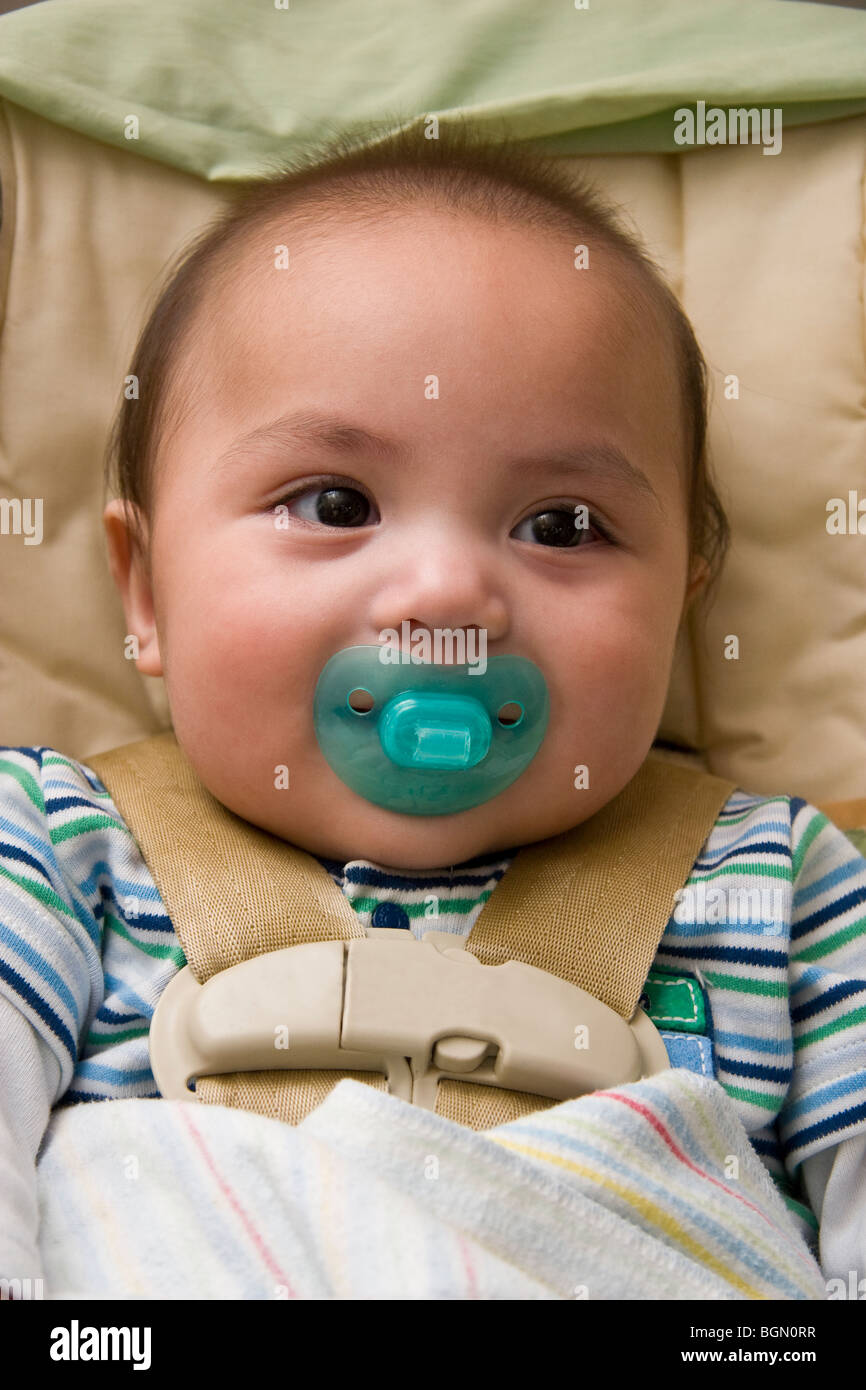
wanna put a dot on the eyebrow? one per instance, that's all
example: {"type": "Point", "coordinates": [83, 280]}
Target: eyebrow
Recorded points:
{"type": "Point", "coordinates": [603, 461]}
{"type": "Point", "coordinates": [600, 460]}
{"type": "Point", "coordinates": [339, 436]}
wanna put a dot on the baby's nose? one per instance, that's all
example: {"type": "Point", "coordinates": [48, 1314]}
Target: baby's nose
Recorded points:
{"type": "Point", "coordinates": [444, 590]}
{"type": "Point", "coordinates": [414, 630]}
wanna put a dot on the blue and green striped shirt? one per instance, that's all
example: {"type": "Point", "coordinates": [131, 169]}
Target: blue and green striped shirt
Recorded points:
{"type": "Point", "coordinates": [759, 980]}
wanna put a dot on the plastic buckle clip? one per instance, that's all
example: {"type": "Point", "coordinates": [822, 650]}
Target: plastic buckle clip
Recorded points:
{"type": "Point", "coordinates": [408, 1009]}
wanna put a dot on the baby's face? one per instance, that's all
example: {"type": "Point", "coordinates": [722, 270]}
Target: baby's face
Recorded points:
{"type": "Point", "coordinates": [535, 361]}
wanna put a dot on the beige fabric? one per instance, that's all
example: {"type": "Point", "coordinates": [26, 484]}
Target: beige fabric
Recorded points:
{"type": "Point", "coordinates": [232, 885]}
{"type": "Point", "coordinates": [585, 905]}
{"type": "Point", "coordinates": [589, 906]}
{"type": "Point", "coordinates": [485, 1107]}
{"type": "Point", "coordinates": [767, 254]}
{"type": "Point", "coordinates": [233, 892]}
{"type": "Point", "coordinates": [286, 1096]}
{"type": "Point", "coordinates": [86, 233]}
{"type": "Point", "coordinates": [848, 815]}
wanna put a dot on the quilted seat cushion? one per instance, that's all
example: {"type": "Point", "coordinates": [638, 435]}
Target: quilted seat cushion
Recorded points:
{"type": "Point", "coordinates": [766, 254]}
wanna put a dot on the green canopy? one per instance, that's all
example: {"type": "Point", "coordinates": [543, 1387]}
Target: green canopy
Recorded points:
{"type": "Point", "coordinates": [223, 88]}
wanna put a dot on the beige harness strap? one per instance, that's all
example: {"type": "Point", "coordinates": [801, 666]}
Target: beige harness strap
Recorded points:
{"type": "Point", "coordinates": [232, 891]}
{"type": "Point", "coordinates": [589, 906]}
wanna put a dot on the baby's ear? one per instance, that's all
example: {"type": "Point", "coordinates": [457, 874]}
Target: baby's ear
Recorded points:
{"type": "Point", "coordinates": [130, 569]}
{"type": "Point", "coordinates": [699, 573]}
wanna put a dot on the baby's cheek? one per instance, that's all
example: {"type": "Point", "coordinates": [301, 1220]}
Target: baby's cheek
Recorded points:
{"type": "Point", "coordinates": [616, 683]}
{"type": "Point", "coordinates": [623, 639]}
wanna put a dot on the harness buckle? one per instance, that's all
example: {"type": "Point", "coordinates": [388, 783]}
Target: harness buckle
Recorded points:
{"type": "Point", "coordinates": [418, 1012]}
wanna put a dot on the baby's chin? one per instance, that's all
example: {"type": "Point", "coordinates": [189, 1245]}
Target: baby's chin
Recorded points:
{"type": "Point", "coordinates": [397, 841]}
{"type": "Point", "coordinates": [423, 847]}
{"type": "Point", "coordinates": [343, 827]}
{"type": "Point", "coordinates": [408, 842]}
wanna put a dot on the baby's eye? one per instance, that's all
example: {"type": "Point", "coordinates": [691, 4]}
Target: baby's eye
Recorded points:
{"type": "Point", "coordinates": [557, 527]}
{"type": "Point", "coordinates": [331, 505]}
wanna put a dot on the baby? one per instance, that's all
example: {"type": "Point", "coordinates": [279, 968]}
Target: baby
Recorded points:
{"type": "Point", "coordinates": [426, 385]}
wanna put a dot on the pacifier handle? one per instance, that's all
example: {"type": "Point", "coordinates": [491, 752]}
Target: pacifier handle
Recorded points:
{"type": "Point", "coordinates": [435, 730]}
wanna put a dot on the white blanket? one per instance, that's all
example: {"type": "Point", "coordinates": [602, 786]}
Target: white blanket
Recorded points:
{"type": "Point", "coordinates": [651, 1191]}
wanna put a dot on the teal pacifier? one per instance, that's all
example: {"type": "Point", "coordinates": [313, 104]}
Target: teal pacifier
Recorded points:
{"type": "Point", "coordinates": [428, 739]}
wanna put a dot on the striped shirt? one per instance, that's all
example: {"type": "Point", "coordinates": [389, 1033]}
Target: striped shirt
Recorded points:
{"type": "Point", "coordinates": [759, 979]}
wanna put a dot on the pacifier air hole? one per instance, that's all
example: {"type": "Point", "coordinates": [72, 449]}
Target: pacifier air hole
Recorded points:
{"type": "Point", "coordinates": [360, 701]}
{"type": "Point", "coordinates": [510, 714]}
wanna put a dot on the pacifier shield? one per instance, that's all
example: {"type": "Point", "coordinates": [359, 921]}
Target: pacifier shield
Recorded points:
{"type": "Point", "coordinates": [428, 739]}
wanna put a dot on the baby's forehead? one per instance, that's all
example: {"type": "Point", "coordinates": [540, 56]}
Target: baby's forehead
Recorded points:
{"type": "Point", "coordinates": [433, 244]}
{"type": "Point", "coordinates": [302, 248]}
{"type": "Point", "coordinates": [282, 269]}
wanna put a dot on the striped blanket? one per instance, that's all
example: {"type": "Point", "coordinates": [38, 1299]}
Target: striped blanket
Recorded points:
{"type": "Point", "coordinates": [650, 1191]}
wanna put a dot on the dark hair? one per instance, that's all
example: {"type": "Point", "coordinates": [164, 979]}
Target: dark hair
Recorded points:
{"type": "Point", "coordinates": [460, 169]}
